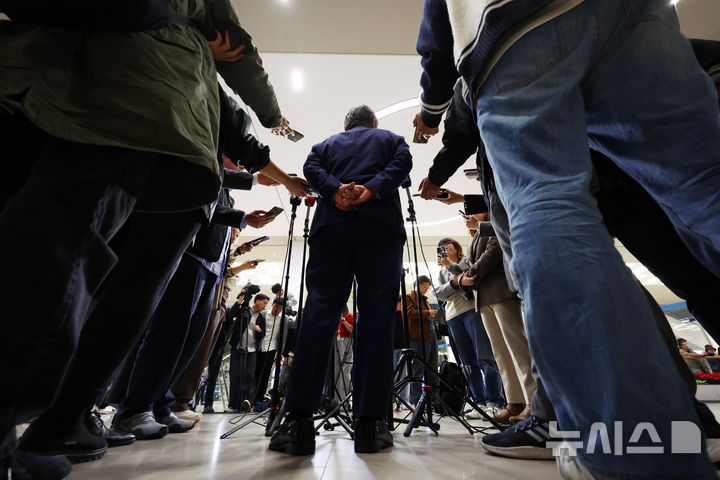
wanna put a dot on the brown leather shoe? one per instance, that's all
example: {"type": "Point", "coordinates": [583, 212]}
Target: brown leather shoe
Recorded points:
{"type": "Point", "coordinates": [512, 409]}
{"type": "Point", "coordinates": [524, 415]}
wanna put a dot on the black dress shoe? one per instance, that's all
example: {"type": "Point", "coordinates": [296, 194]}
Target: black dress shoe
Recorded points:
{"type": "Point", "coordinates": [76, 442]}
{"type": "Point", "coordinates": [96, 426]}
{"type": "Point", "coordinates": [29, 466]}
{"type": "Point", "coordinates": [295, 436]}
{"type": "Point", "coordinates": [372, 435]}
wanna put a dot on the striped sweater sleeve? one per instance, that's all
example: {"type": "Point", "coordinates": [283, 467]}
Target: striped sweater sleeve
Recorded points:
{"type": "Point", "coordinates": [435, 45]}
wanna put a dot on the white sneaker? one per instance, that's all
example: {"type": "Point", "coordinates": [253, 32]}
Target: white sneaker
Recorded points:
{"type": "Point", "coordinates": [189, 415]}
{"type": "Point", "coordinates": [570, 466]}
{"type": "Point", "coordinates": [474, 415]}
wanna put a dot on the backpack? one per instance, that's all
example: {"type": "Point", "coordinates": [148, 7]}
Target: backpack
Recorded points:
{"type": "Point", "coordinates": [451, 373]}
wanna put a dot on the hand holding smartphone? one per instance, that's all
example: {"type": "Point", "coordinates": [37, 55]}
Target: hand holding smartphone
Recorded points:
{"type": "Point", "coordinates": [275, 211]}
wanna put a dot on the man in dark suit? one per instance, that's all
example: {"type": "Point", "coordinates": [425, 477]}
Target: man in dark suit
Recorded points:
{"type": "Point", "coordinates": [357, 231]}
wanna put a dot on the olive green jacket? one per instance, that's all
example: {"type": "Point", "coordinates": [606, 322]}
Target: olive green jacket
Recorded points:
{"type": "Point", "coordinates": [153, 91]}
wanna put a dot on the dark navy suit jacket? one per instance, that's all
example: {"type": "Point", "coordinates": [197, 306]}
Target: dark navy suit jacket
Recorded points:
{"type": "Point", "coordinates": [376, 158]}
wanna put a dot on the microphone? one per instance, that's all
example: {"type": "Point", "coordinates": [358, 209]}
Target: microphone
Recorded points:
{"type": "Point", "coordinates": [407, 183]}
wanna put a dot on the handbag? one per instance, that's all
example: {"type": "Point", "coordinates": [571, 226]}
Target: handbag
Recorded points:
{"type": "Point", "coordinates": [441, 326]}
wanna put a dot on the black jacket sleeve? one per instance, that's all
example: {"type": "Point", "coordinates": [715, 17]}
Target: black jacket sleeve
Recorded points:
{"type": "Point", "coordinates": [237, 180]}
{"type": "Point", "coordinates": [228, 216]}
{"type": "Point", "coordinates": [460, 140]}
{"type": "Point", "coordinates": [235, 141]}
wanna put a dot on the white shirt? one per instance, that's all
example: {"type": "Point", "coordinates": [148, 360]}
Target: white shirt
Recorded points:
{"type": "Point", "coordinates": [272, 331]}
{"type": "Point", "coordinates": [248, 339]}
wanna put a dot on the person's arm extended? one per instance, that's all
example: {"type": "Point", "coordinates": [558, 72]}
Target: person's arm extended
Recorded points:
{"type": "Point", "coordinates": [246, 77]}
{"type": "Point", "coordinates": [460, 140]}
{"type": "Point", "coordinates": [295, 185]}
{"type": "Point", "coordinates": [388, 181]}
{"type": "Point", "coordinates": [435, 45]}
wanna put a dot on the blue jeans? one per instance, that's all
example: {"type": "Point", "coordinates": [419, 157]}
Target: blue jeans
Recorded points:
{"type": "Point", "coordinates": [476, 356]}
{"type": "Point", "coordinates": [619, 73]}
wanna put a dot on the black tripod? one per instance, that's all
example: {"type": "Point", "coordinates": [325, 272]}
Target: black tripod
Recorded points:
{"type": "Point", "coordinates": [422, 413]}
{"type": "Point", "coordinates": [271, 412]}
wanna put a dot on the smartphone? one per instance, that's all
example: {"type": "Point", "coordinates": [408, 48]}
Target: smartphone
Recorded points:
{"type": "Point", "coordinates": [418, 137]}
{"type": "Point", "coordinates": [258, 261]}
{"type": "Point", "coordinates": [258, 241]}
{"type": "Point", "coordinates": [441, 194]}
{"type": "Point", "coordinates": [294, 136]}
{"type": "Point", "coordinates": [275, 211]}
{"type": "Point", "coordinates": [471, 173]}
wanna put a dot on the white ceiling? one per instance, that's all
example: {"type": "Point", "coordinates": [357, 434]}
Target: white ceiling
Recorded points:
{"type": "Point", "coordinates": [325, 56]}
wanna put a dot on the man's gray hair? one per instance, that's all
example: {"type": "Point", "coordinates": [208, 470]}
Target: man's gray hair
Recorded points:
{"type": "Point", "coordinates": [357, 116]}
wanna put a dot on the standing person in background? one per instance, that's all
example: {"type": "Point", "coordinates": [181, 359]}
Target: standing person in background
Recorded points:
{"type": "Point", "coordinates": [248, 331]}
{"type": "Point", "coordinates": [416, 321]}
{"type": "Point", "coordinates": [467, 329]}
{"type": "Point", "coordinates": [501, 312]}
{"type": "Point", "coordinates": [268, 348]}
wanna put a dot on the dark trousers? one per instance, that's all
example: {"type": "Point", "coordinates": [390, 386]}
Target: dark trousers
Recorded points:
{"type": "Point", "coordinates": [371, 252]}
{"type": "Point", "coordinates": [215, 362]}
{"type": "Point", "coordinates": [263, 367]}
{"type": "Point", "coordinates": [174, 333]}
{"type": "Point", "coordinates": [242, 376]}
{"type": "Point", "coordinates": [186, 385]}
{"type": "Point", "coordinates": [150, 254]}
{"type": "Point", "coordinates": [75, 199]}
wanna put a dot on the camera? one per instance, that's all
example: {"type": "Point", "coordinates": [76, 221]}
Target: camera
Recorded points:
{"type": "Point", "coordinates": [249, 290]}
{"type": "Point", "coordinates": [290, 312]}
{"type": "Point", "coordinates": [441, 251]}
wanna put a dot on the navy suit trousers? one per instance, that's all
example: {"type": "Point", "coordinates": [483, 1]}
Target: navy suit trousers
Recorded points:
{"type": "Point", "coordinates": [370, 251]}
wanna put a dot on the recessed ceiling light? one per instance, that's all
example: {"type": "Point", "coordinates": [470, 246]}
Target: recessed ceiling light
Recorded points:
{"type": "Point", "coordinates": [297, 80]}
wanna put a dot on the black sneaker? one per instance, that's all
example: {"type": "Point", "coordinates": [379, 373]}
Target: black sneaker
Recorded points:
{"type": "Point", "coordinates": [24, 465]}
{"type": "Point", "coordinates": [96, 426]}
{"type": "Point", "coordinates": [208, 409]}
{"type": "Point", "coordinates": [525, 439]}
{"type": "Point", "coordinates": [372, 435]}
{"type": "Point", "coordinates": [76, 442]}
{"type": "Point", "coordinates": [295, 436]}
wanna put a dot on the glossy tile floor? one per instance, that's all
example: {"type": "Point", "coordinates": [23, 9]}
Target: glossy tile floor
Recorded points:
{"type": "Point", "coordinates": [200, 454]}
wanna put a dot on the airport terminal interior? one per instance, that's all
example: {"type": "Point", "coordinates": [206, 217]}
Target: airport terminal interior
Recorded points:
{"type": "Point", "coordinates": [322, 58]}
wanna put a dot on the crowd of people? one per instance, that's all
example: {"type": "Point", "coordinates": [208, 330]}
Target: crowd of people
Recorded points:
{"type": "Point", "coordinates": [590, 120]}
